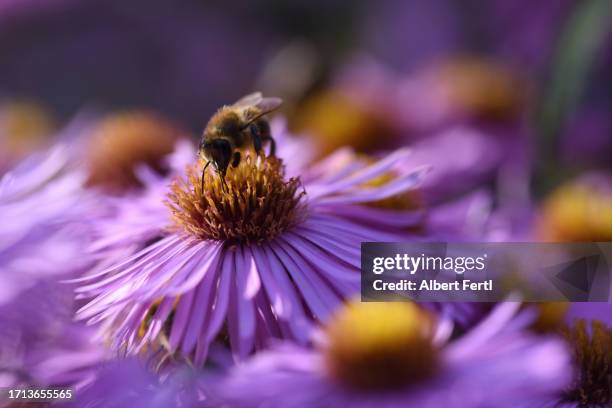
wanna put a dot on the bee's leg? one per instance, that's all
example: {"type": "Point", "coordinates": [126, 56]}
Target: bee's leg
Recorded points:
{"type": "Point", "coordinates": [265, 134]}
{"type": "Point", "coordinates": [272, 145]}
{"type": "Point", "coordinates": [256, 135]}
{"type": "Point", "coordinates": [236, 159]}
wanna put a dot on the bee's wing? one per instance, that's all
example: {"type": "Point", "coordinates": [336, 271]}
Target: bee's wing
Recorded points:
{"type": "Point", "coordinates": [249, 100]}
{"type": "Point", "coordinates": [255, 106]}
{"type": "Point", "coordinates": [267, 105]}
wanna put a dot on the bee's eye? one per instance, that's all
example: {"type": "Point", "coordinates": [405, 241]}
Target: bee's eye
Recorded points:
{"type": "Point", "coordinates": [221, 151]}
{"type": "Point", "coordinates": [220, 145]}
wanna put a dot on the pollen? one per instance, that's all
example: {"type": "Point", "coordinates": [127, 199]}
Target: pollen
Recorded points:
{"type": "Point", "coordinates": [256, 205]}
{"type": "Point", "coordinates": [380, 346]}
{"type": "Point", "coordinates": [121, 141]}
{"type": "Point", "coordinates": [592, 351]}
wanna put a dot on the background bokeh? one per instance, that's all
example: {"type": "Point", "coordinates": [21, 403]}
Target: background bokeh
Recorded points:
{"type": "Point", "coordinates": [187, 58]}
{"type": "Point", "coordinates": [533, 78]}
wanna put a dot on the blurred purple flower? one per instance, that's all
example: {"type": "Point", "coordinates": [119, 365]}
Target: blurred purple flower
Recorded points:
{"type": "Point", "coordinates": [137, 217]}
{"type": "Point", "coordinates": [591, 348]}
{"type": "Point", "coordinates": [129, 383]}
{"type": "Point", "coordinates": [456, 91]}
{"type": "Point", "coordinates": [494, 364]}
{"type": "Point", "coordinates": [460, 158]}
{"type": "Point", "coordinates": [44, 235]}
{"type": "Point", "coordinates": [41, 345]}
{"type": "Point", "coordinates": [461, 117]}
{"type": "Point", "coordinates": [45, 221]}
{"type": "Point", "coordinates": [261, 278]}
{"type": "Point", "coordinates": [585, 327]}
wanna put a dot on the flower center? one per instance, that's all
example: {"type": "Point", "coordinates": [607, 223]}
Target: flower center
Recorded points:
{"type": "Point", "coordinates": [408, 200]}
{"type": "Point", "coordinates": [481, 88]}
{"type": "Point", "coordinates": [256, 205]}
{"type": "Point", "coordinates": [550, 318]}
{"type": "Point", "coordinates": [336, 120]}
{"type": "Point", "coordinates": [380, 346]}
{"type": "Point", "coordinates": [593, 361]}
{"type": "Point", "coordinates": [578, 211]}
{"type": "Point", "coordinates": [121, 141]}
{"type": "Point", "coordinates": [25, 127]}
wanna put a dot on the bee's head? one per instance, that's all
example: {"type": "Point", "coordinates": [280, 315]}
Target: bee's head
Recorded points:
{"type": "Point", "coordinates": [218, 152]}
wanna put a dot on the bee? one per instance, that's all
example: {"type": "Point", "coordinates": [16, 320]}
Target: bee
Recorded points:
{"type": "Point", "coordinates": [235, 128]}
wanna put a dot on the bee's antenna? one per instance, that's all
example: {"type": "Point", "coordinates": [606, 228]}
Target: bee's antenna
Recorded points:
{"type": "Point", "coordinates": [203, 174]}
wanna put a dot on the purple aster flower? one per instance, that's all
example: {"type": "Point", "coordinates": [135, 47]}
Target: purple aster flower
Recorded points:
{"type": "Point", "coordinates": [475, 155]}
{"type": "Point", "coordinates": [41, 345]}
{"type": "Point", "coordinates": [140, 216]}
{"type": "Point", "coordinates": [459, 159]}
{"type": "Point", "coordinates": [393, 354]}
{"type": "Point", "coordinates": [469, 140]}
{"type": "Point", "coordinates": [43, 238]}
{"type": "Point", "coordinates": [586, 330]}
{"type": "Point", "coordinates": [465, 218]}
{"type": "Point", "coordinates": [114, 146]}
{"type": "Point", "coordinates": [257, 260]}
{"type": "Point", "coordinates": [455, 90]}
{"type": "Point", "coordinates": [133, 219]}
{"type": "Point", "coordinates": [591, 346]}
{"type": "Point", "coordinates": [129, 383]}
{"type": "Point", "coordinates": [45, 213]}
{"type": "Point", "coordinates": [49, 210]}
